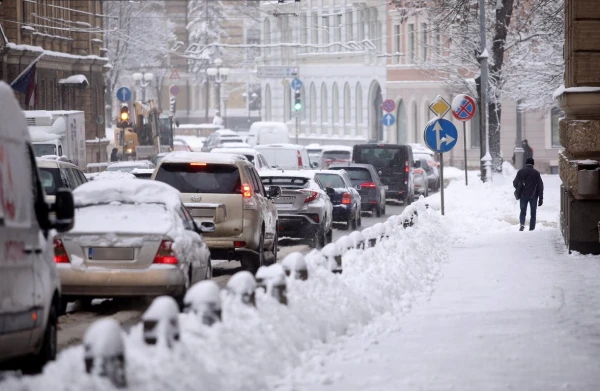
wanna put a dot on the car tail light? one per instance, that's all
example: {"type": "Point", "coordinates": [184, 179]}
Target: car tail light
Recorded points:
{"type": "Point", "coordinates": [239, 244]}
{"type": "Point", "coordinates": [346, 199]}
{"type": "Point", "coordinates": [406, 166]}
{"type": "Point", "coordinates": [370, 185]}
{"type": "Point", "coordinates": [315, 217]}
{"type": "Point", "coordinates": [311, 196]}
{"type": "Point", "coordinates": [165, 254]}
{"type": "Point", "coordinates": [197, 164]}
{"type": "Point", "coordinates": [248, 201]}
{"type": "Point", "coordinates": [299, 159]}
{"type": "Point", "coordinates": [418, 170]}
{"type": "Point", "coordinates": [60, 253]}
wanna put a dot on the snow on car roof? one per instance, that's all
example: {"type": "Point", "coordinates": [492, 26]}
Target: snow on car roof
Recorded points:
{"type": "Point", "coordinates": [12, 120]}
{"type": "Point", "coordinates": [142, 171]}
{"type": "Point", "coordinates": [133, 163]}
{"type": "Point", "coordinates": [330, 172]}
{"type": "Point", "coordinates": [279, 126]}
{"type": "Point", "coordinates": [237, 145]}
{"type": "Point", "coordinates": [288, 174]}
{"type": "Point", "coordinates": [189, 157]}
{"type": "Point", "coordinates": [226, 132]}
{"type": "Point", "coordinates": [236, 151]}
{"type": "Point", "coordinates": [42, 162]}
{"type": "Point", "coordinates": [126, 191]}
{"type": "Point", "coordinates": [326, 148]}
{"type": "Point", "coordinates": [294, 146]}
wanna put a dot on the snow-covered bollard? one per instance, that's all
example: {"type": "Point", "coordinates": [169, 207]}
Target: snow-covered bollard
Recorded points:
{"type": "Point", "coordinates": [203, 300]}
{"type": "Point", "coordinates": [357, 239]}
{"type": "Point", "coordinates": [272, 280]}
{"type": "Point", "coordinates": [243, 285]}
{"type": "Point", "coordinates": [161, 323]}
{"type": "Point", "coordinates": [379, 228]}
{"type": "Point", "coordinates": [388, 229]}
{"type": "Point", "coordinates": [294, 266]}
{"type": "Point", "coordinates": [406, 223]}
{"type": "Point", "coordinates": [344, 243]}
{"type": "Point", "coordinates": [370, 237]}
{"type": "Point", "coordinates": [104, 351]}
{"type": "Point", "coordinates": [332, 252]}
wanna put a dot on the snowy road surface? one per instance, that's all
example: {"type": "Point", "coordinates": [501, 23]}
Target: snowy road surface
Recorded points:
{"type": "Point", "coordinates": [511, 311]}
{"type": "Point", "coordinates": [72, 326]}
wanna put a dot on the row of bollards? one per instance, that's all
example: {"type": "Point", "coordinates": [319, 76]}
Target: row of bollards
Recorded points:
{"type": "Point", "coordinates": [103, 342]}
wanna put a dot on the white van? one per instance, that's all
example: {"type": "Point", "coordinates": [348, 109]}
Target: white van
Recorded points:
{"type": "Point", "coordinates": [285, 156]}
{"type": "Point", "coordinates": [29, 283]}
{"type": "Point", "coordinates": [262, 133]}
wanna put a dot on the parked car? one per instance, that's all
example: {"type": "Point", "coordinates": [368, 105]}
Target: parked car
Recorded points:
{"type": "Point", "coordinates": [262, 133]}
{"type": "Point", "coordinates": [226, 190]}
{"type": "Point", "coordinates": [194, 142]}
{"type": "Point", "coordinates": [56, 174]}
{"type": "Point", "coordinates": [364, 178]}
{"type": "Point", "coordinates": [304, 207]}
{"type": "Point", "coordinates": [131, 238]}
{"type": "Point", "coordinates": [181, 145]}
{"type": "Point", "coordinates": [346, 200]}
{"type": "Point", "coordinates": [253, 156]}
{"type": "Point", "coordinates": [30, 290]}
{"type": "Point", "coordinates": [394, 164]}
{"type": "Point", "coordinates": [285, 156]}
{"type": "Point", "coordinates": [233, 144]}
{"type": "Point", "coordinates": [332, 154]}
{"type": "Point", "coordinates": [431, 169]}
{"type": "Point", "coordinates": [130, 165]}
{"type": "Point", "coordinates": [219, 138]}
{"type": "Point", "coordinates": [420, 178]}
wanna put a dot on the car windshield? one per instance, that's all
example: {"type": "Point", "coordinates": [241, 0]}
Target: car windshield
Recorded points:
{"type": "Point", "coordinates": [337, 155]}
{"type": "Point", "coordinates": [250, 158]}
{"type": "Point", "coordinates": [331, 180]}
{"type": "Point", "coordinates": [287, 182]}
{"type": "Point", "coordinates": [357, 175]}
{"type": "Point", "coordinates": [381, 157]}
{"type": "Point", "coordinates": [44, 149]}
{"type": "Point", "coordinates": [51, 180]}
{"type": "Point", "coordinates": [284, 158]}
{"type": "Point", "coordinates": [201, 177]}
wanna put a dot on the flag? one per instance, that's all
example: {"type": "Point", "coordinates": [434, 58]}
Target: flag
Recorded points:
{"type": "Point", "coordinates": [26, 84]}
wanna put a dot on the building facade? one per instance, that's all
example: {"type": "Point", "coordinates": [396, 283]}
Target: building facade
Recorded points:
{"type": "Point", "coordinates": [337, 47]}
{"type": "Point", "coordinates": [415, 46]}
{"type": "Point", "coordinates": [69, 34]}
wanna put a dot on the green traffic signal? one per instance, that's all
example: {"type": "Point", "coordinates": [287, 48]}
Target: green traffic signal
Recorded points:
{"type": "Point", "coordinates": [298, 106]}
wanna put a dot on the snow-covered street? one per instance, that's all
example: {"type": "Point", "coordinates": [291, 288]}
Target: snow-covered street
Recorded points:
{"type": "Point", "coordinates": [511, 311]}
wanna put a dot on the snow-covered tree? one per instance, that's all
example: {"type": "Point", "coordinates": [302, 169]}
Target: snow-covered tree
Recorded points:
{"type": "Point", "coordinates": [138, 36]}
{"type": "Point", "coordinates": [524, 43]}
{"type": "Point", "coordinates": [205, 27]}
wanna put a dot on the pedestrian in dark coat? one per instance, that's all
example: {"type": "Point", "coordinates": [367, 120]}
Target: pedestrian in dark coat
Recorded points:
{"type": "Point", "coordinates": [530, 191]}
{"type": "Point", "coordinates": [528, 151]}
{"type": "Point", "coordinates": [114, 155]}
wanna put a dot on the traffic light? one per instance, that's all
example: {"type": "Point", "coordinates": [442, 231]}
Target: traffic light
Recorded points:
{"type": "Point", "coordinates": [124, 116]}
{"type": "Point", "coordinates": [297, 100]}
{"type": "Point", "coordinates": [172, 104]}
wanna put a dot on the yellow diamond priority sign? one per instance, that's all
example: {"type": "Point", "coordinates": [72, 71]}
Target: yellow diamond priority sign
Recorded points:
{"type": "Point", "coordinates": [439, 106]}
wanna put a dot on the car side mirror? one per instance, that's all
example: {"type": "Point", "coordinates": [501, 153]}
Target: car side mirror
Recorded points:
{"type": "Point", "coordinates": [205, 227]}
{"type": "Point", "coordinates": [64, 208]}
{"type": "Point", "coordinates": [330, 191]}
{"type": "Point", "coordinates": [274, 191]}
{"type": "Point", "coordinates": [417, 164]}
{"type": "Point", "coordinates": [315, 165]}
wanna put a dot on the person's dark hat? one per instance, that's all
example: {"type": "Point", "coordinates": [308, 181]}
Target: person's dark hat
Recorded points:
{"type": "Point", "coordinates": [525, 141]}
{"type": "Point", "coordinates": [529, 161]}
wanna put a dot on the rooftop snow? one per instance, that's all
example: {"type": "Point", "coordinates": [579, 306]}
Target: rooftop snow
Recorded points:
{"type": "Point", "coordinates": [39, 49]}
{"type": "Point", "coordinates": [561, 90]}
{"type": "Point", "coordinates": [74, 79]}
{"type": "Point", "coordinates": [326, 148]}
{"type": "Point", "coordinates": [127, 191]}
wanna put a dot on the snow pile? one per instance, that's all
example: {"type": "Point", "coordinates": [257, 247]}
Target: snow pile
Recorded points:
{"type": "Point", "coordinates": [252, 344]}
{"type": "Point", "coordinates": [126, 191]}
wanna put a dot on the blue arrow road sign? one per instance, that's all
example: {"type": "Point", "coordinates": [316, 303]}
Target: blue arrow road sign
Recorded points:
{"type": "Point", "coordinates": [441, 135]}
{"type": "Point", "coordinates": [124, 94]}
{"type": "Point", "coordinates": [296, 84]}
{"type": "Point", "coordinates": [388, 119]}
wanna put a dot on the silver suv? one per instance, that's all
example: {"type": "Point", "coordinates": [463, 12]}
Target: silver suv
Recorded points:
{"type": "Point", "coordinates": [304, 207]}
{"type": "Point", "coordinates": [226, 190]}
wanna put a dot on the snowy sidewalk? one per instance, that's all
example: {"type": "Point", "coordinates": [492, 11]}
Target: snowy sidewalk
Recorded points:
{"type": "Point", "coordinates": [511, 311]}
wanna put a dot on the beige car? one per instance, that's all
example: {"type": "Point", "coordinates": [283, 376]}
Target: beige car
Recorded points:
{"type": "Point", "coordinates": [56, 174]}
{"type": "Point", "coordinates": [226, 189]}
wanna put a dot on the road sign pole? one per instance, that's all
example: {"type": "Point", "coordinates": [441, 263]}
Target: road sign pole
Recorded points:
{"type": "Point", "coordinates": [297, 126]}
{"type": "Point", "coordinates": [465, 150]}
{"type": "Point", "coordinates": [442, 181]}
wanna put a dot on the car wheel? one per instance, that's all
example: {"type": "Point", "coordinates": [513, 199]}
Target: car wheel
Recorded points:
{"type": "Point", "coordinates": [378, 211]}
{"type": "Point", "coordinates": [209, 270]}
{"type": "Point", "coordinates": [383, 209]}
{"type": "Point", "coordinates": [359, 219]}
{"type": "Point", "coordinates": [48, 350]}
{"type": "Point", "coordinates": [272, 257]}
{"type": "Point", "coordinates": [329, 236]}
{"type": "Point", "coordinates": [251, 262]}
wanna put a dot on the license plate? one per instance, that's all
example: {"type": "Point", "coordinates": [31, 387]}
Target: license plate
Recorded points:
{"type": "Point", "coordinates": [111, 253]}
{"type": "Point", "coordinates": [386, 187]}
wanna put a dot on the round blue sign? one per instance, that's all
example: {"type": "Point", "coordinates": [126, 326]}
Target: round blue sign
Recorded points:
{"type": "Point", "coordinates": [388, 119]}
{"type": "Point", "coordinates": [441, 135]}
{"type": "Point", "coordinates": [124, 94]}
{"type": "Point", "coordinates": [296, 84]}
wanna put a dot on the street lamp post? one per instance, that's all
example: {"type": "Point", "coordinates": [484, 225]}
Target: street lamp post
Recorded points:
{"type": "Point", "coordinates": [218, 75]}
{"type": "Point", "coordinates": [143, 80]}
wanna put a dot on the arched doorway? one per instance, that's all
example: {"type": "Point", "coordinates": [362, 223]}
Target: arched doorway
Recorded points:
{"type": "Point", "coordinates": [401, 123]}
{"type": "Point", "coordinates": [375, 101]}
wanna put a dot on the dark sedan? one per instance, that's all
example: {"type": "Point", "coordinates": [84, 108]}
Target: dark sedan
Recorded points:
{"type": "Point", "coordinates": [364, 178]}
{"type": "Point", "coordinates": [346, 200]}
